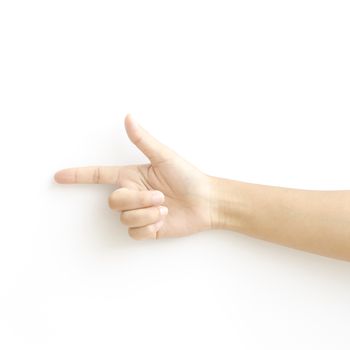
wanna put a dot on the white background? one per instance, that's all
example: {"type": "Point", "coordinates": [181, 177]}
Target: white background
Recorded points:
{"type": "Point", "coordinates": [251, 90]}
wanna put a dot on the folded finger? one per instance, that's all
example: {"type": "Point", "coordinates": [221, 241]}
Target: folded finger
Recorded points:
{"type": "Point", "coordinates": [125, 199]}
{"type": "Point", "coordinates": [143, 217]}
{"type": "Point", "coordinates": [146, 232]}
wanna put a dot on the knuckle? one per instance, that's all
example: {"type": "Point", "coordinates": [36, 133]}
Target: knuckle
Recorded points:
{"type": "Point", "coordinates": [111, 201]}
{"type": "Point", "coordinates": [116, 200]}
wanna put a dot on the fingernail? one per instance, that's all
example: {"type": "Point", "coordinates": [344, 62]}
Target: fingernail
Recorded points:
{"type": "Point", "coordinates": [157, 197]}
{"type": "Point", "coordinates": [163, 211]}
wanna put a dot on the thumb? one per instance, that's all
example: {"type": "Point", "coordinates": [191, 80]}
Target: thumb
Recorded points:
{"type": "Point", "coordinates": [155, 151]}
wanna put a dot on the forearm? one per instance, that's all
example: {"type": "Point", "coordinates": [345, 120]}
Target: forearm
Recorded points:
{"type": "Point", "coordinates": [315, 221]}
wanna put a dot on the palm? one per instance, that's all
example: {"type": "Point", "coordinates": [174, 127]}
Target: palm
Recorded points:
{"type": "Point", "coordinates": [185, 189]}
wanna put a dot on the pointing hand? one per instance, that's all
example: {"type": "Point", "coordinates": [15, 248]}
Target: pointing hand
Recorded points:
{"type": "Point", "coordinates": [166, 198]}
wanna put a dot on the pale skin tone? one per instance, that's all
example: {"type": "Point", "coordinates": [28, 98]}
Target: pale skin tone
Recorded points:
{"type": "Point", "coordinates": [169, 197]}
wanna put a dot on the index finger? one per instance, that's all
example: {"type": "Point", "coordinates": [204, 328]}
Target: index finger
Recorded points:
{"type": "Point", "coordinates": [88, 175]}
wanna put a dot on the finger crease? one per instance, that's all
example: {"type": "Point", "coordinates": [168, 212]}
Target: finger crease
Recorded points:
{"type": "Point", "coordinates": [97, 175]}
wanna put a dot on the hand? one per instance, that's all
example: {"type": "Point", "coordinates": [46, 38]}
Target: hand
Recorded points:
{"type": "Point", "coordinates": [166, 198]}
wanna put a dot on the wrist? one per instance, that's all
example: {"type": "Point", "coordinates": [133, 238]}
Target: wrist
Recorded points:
{"type": "Point", "coordinates": [229, 205]}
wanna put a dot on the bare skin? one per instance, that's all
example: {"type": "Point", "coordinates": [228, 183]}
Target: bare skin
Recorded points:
{"type": "Point", "coordinates": [169, 197]}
